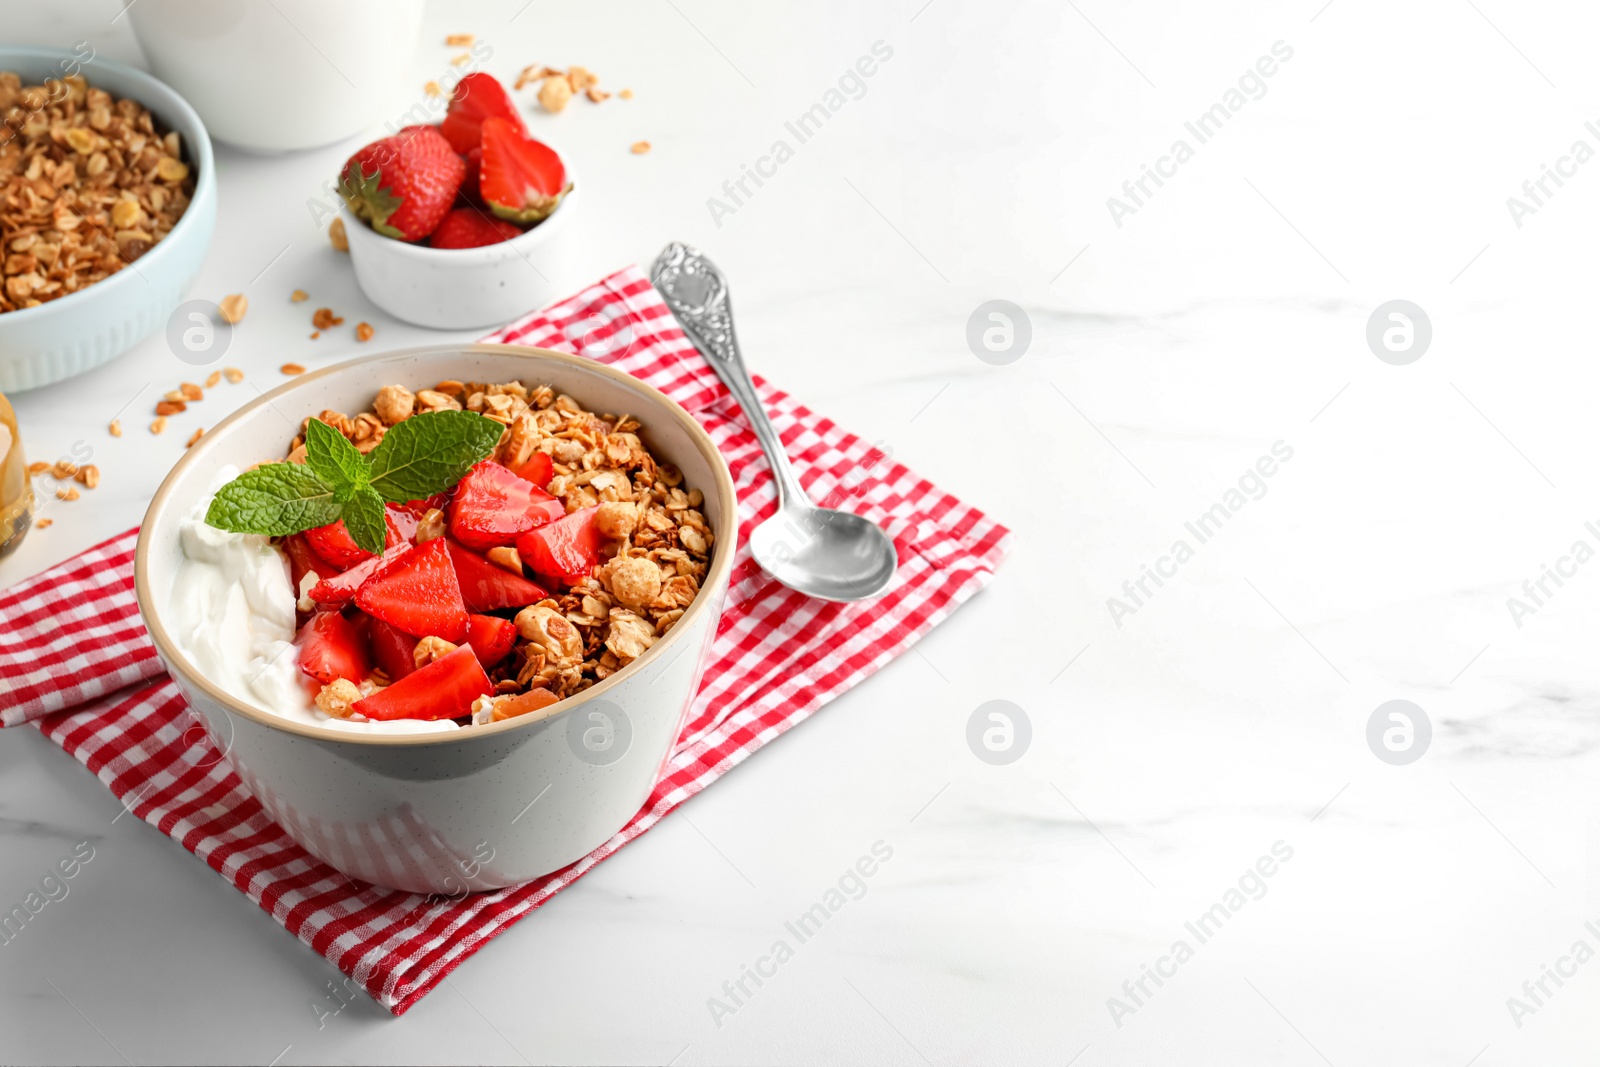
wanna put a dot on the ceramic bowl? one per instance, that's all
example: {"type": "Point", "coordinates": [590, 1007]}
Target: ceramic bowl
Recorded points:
{"type": "Point", "coordinates": [65, 337]}
{"type": "Point", "coordinates": [481, 807]}
{"type": "Point", "coordinates": [462, 288]}
{"type": "Point", "coordinates": [281, 75]}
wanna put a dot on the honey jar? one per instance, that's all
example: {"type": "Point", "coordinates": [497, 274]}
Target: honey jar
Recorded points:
{"type": "Point", "coordinates": [16, 490]}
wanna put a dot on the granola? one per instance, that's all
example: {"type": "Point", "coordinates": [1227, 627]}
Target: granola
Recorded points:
{"type": "Point", "coordinates": [88, 184]}
{"type": "Point", "coordinates": [656, 548]}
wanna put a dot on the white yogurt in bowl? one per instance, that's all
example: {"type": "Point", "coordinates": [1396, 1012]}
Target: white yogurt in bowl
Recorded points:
{"type": "Point", "coordinates": [232, 611]}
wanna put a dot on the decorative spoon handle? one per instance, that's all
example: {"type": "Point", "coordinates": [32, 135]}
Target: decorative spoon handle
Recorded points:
{"type": "Point", "coordinates": [698, 295]}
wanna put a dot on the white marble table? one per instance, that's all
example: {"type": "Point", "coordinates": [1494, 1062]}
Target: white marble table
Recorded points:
{"type": "Point", "coordinates": [1173, 745]}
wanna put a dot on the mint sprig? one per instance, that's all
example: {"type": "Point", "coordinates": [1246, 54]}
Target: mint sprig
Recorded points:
{"type": "Point", "coordinates": [421, 456]}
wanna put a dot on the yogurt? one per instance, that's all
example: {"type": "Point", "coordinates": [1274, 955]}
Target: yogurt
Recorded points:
{"type": "Point", "coordinates": [232, 612]}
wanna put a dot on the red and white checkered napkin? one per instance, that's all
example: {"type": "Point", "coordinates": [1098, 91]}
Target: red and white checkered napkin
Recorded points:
{"type": "Point", "coordinates": [76, 662]}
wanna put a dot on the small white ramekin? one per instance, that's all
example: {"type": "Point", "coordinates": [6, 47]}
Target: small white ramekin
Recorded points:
{"type": "Point", "coordinates": [65, 337]}
{"type": "Point", "coordinates": [461, 288]}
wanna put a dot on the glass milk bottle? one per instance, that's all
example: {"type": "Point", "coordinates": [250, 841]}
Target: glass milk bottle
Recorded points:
{"type": "Point", "coordinates": [16, 492]}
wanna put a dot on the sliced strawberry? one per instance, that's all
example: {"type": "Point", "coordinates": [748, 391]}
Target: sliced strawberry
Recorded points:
{"type": "Point", "coordinates": [404, 184]}
{"type": "Point", "coordinates": [468, 227]}
{"type": "Point", "coordinates": [493, 507]}
{"type": "Point", "coordinates": [444, 689]}
{"type": "Point", "coordinates": [478, 96]}
{"type": "Point", "coordinates": [539, 469]}
{"type": "Point", "coordinates": [402, 523]}
{"type": "Point", "coordinates": [491, 638]}
{"type": "Point", "coordinates": [486, 587]}
{"type": "Point", "coordinates": [303, 561]}
{"type": "Point", "coordinates": [332, 646]}
{"type": "Point", "coordinates": [521, 179]}
{"type": "Point", "coordinates": [335, 545]}
{"type": "Point", "coordinates": [393, 650]}
{"type": "Point", "coordinates": [418, 594]}
{"type": "Point", "coordinates": [469, 182]}
{"type": "Point", "coordinates": [421, 507]}
{"type": "Point", "coordinates": [566, 549]}
{"type": "Point", "coordinates": [339, 590]}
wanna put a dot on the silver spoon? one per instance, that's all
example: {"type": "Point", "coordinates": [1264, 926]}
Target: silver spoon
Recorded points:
{"type": "Point", "coordinates": [821, 552]}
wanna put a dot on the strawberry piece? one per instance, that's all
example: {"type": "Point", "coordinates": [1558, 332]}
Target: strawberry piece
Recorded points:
{"type": "Point", "coordinates": [467, 227]}
{"type": "Point", "coordinates": [478, 96]}
{"type": "Point", "coordinates": [402, 524]}
{"type": "Point", "coordinates": [403, 185]}
{"type": "Point", "coordinates": [566, 549]}
{"type": "Point", "coordinates": [417, 593]}
{"type": "Point", "coordinates": [444, 689]}
{"type": "Point", "coordinates": [521, 179]}
{"type": "Point", "coordinates": [491, 638]}
{"type": "Point", "coordinates": [486, 587]}
{"type": "Point", "coordinates": [469, 181]}
{"type": "Point", "coordinates": [303, 561]}
{"type": "Point", "coordinates": [420, 508]}
{"type": "Point", "coordinates": [332, 646]}
{"type": "Point", "coordinates": [393, 650]}
{"type": "Point", "coordinates": [539, 469]}
{"type": "Point", "coordinates": [493, 507]}
{"type": "Point", "coordinates": [335, 545]}
{"type": "Point", "coordinates": [339, 590]}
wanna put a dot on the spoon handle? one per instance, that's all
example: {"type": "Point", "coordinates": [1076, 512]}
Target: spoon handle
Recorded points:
{"type": "Point", "coordinates": [698, 295]}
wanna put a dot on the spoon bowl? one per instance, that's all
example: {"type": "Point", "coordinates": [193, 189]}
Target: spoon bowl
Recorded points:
{"type": "Point", "coordinates": [824, 553]}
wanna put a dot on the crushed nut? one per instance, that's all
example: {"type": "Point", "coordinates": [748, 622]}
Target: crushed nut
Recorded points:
{"type": "Point", "coordinates": [459, 40]}
{"type": "Point", "coordinates": [596, 94]}
{"type": "Point", "coordinates": [626, 94]}
{"type": "Point", "coordinates": [213, 378]}
{"type": "Point", "coordinates": [292, 369]}
{"type": "Point", "coordinates": [580, 78]}
{"type": "Point", "coordinates": [89, 476]}
{"type": "Point", "coordinates": [194, 438]}
{"type": "Point", "coordinates": [64, 469]}
{"type": "Point", "coordinates": [159, 425]}
{"type": "Point", "coordinates": [171, 407]}
{"type": "Point", "coordinates": [67, 493]}
{"type": "Point", "coordinates": [430, 648]}
{"type": "Point", "coordinates": [555, 94]}
{"type": "Point", "coordinates": [635, 580]}
{"type": "Point", "coordinates": [336, 234]}
{"type": "Point", "coordinates": [364, 331]}
{"type": "Point", "coordinates": [233, 374]}
{"type": "Point", "coordinates": [38, 468]}
{"type": "Point", "coordinates": [432, 89]}
{"type": "Point", "coordinates": [323, 318]}
{"type": "Point", "coordinates": [337, 696]}
{"type": "Point", "coordinates": [191, 391]}
{"type": "Point", "coordinates": [299, 296]}
{"type": "Point", "coordinates": [44, 523]}
{"type": "Point", "coordinates": [506, 559]}
{"type": "Point", "coordinates": [394, 403]}
{"type": "Point", "coordinates": [115, 428]}
{"type": "Point", "coordinates": [430, 526]}
{"type": "Point", "coordinates": [233, 307]}
{"type": "Point", "coordinates": [430, 400]}
{"type": "Point", "coordinates": [640, 147]}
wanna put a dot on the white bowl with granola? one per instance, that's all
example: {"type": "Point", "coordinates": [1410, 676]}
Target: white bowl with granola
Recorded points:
{"type": "Point", "coordinates": [478, 681]}
{"type": "Point", "coordinates": [107, 205]}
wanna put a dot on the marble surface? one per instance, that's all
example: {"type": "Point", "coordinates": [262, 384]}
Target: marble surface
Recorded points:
{"type": "Point", "coordinates": [1175, 741]}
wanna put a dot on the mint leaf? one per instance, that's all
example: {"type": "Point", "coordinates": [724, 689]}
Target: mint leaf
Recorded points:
{"type": "Point", "coordinates": [428, 453]}
{"type": "Point", "coordinates": [363, 517]}
{"type": "Point", "coordinates": [334, 459]}
{"type": "Point", "coordinates": [276, 500]}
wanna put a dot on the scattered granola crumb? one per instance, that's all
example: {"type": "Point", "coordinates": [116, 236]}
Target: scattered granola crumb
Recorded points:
{"type": "Point", "coordinates": [336, 234]}
{"type": "Point", "coordinates": [213, 378]}
{"type": "Point", "coordinates": [364, 331]}
{"type": "Point", "coordinates": [555, 94]}
{"type": "Point", "coordinates": [506, 559]}
{"type": "Point", "coordinates": [292, 369]}
{"type": "Point", "coordinates": [198, 433]}
{"type": "Point", "coordinates": [641, 147]}
{"type": "Point", "coordinates": [233, 307]}
{"type": "Point", "coordinates": [315, 334]}
{"type": "Point", "coordinates": [459, 40]}
{"type": "Point", "coordinates": [171, 407]}
{"type": "Point", "coordinates": [535, 72]}
{"type": "Point", "coordinates": [64, 469]}
{"type": "Point", "coordinates": [299, 296]}
{"type": "Point", "coordinates": [174, 395]}
{"type": "Point", "coordinates": [67, 493]}
{"type": "Point", "coordinates": [44, 524]}
{"type": "Point", "coordinates": [626, 94]}
{"type": "Point", "coordinates": [115, 427]}
{"type": "Point", "coordinates": [596, 94]}
{"type": "Point", "coordinates": [580, 78]}
{"type": "Point", "coordinates": [336, 698]}
{"type": "Point", "coordinates": [324, 318]}
{"type": "Point", "coordinates": [88, 476]}
{"type": "Point", "coordinates": [462, 60]}
{"type": "Point", "coordinates": [38, 468]}
{"type": "Point", "coordinates": [233, 374]}
{"type": "Point", "coordinates": [432, 89]}
{"type": "Point", "coordinates": [159, 425]}
{"type": "Point", "coordinates": [191, 391]}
